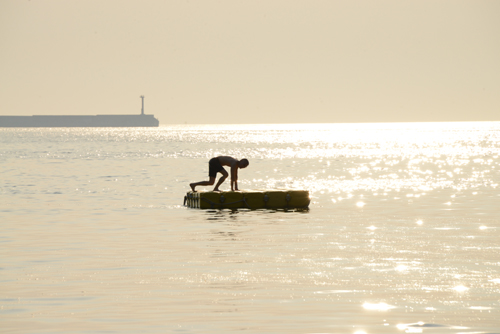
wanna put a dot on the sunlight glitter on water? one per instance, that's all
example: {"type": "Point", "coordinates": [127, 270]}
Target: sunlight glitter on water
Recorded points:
{"type": "Point", "coordinates": [460, 288]}
{"type": "Point", "coordinates": [378, 306]}
{"type": "Point", "coordinates": [389, 156]}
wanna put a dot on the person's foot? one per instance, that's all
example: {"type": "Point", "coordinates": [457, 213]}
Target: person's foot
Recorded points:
{"type": "Point", "coordinates": [216, 189]}
{"type": "Point", "coordinates": [192, 186]}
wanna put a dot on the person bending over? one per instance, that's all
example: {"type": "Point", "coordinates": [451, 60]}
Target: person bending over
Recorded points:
{"type": "Point", "coordinates": [215, 166]}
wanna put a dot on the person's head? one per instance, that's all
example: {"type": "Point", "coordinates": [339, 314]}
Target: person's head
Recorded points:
{"type": "Point", "coordinates": [243, 163]}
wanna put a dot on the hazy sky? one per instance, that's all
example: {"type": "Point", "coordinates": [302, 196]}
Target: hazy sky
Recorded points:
{"type": "Point", "coordinates": [250, 61]}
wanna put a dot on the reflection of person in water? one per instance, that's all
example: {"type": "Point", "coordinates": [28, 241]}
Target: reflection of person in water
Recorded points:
{"type": "Point", "coordinates": [215, 166]}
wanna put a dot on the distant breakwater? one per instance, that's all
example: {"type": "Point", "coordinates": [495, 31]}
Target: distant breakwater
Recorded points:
{"type": "Point", "coordinates": [79, 121]}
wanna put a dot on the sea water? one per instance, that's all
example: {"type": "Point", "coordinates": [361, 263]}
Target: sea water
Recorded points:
{"type": "Point", "coordinates": [402, 234]}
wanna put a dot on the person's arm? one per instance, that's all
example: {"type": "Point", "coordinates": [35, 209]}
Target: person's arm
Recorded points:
{"type": "Point", "coordinates": [234, 177]}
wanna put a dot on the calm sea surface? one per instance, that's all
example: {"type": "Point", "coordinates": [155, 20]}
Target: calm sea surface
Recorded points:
{"type": "Point", "coordinates": [402, 235]}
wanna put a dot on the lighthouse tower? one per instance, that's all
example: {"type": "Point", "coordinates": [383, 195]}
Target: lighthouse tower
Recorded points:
{"type": "Point", "coordinates": [142, 110]}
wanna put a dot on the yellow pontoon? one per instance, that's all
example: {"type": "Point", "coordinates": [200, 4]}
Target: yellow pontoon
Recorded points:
{"type": "Point", "coordinates": [250, 199]}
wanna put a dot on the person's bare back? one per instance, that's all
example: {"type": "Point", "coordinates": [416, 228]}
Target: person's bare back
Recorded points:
{"type": "Point", "coordinates": [227, 161]}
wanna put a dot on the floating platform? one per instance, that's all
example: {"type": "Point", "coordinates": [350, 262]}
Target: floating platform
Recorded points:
{"type": "Point", "coordinates": [250, 199]}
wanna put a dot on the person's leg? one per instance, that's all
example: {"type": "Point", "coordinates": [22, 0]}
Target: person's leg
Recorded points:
{"type": "Point", "coordinates": [202, 183]}
{"type": "Point", "coordinates": [213, 166]}
{"type": "Point", "coordinates": [222, 178]}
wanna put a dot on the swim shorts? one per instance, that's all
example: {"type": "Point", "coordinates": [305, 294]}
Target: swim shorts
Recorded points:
{"type": "Point", "coordinates": [214, 167]}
